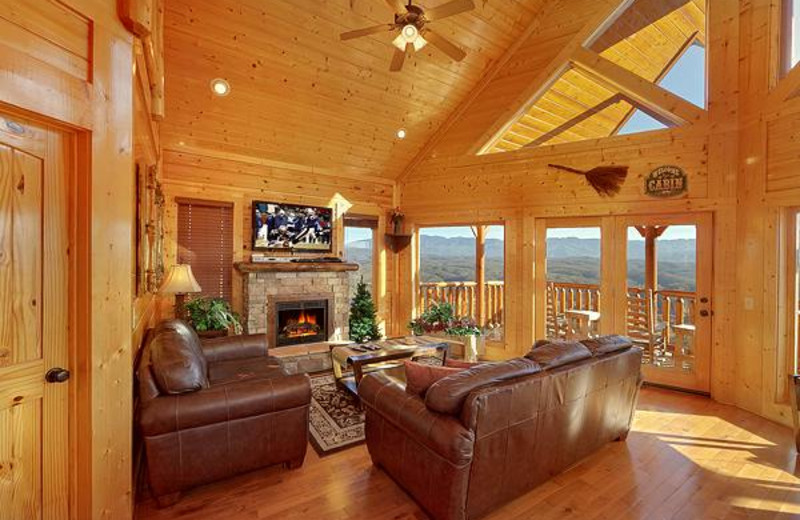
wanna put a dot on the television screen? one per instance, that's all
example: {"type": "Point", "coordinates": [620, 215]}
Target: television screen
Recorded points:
{"type": "Point", "coordinates": [291, 227]}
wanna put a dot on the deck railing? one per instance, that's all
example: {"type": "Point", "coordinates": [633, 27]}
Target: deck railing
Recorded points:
{"type": "Point", "coordinates": [463, 297]}
{"type": "Point", "coordinates": [672, 307]}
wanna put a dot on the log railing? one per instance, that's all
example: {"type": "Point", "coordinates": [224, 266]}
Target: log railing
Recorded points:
{"type": "Point", "coordinates": [463, 297]}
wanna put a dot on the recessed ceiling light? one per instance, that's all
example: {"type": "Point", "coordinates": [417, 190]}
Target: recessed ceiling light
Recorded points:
{"type": "Point", "coordinates": [401, 134]}
{"type": "Point", "coordinates": [220, 87]}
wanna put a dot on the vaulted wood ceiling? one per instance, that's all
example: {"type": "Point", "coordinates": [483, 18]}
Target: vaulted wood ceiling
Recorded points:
{"type": "Point", "coordinates": [300, 95]}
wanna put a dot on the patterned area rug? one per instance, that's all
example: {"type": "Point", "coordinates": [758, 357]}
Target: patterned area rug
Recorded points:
{"type": "Point", "coordinates": [336, 419]}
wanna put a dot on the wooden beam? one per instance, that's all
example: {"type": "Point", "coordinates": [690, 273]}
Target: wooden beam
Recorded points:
{"type": "Point", "coordinates": [656, 99]}
{"type": "Point", "coordinates": [487, 77]}
{"type": "Point", "coordinates": [607, 13]}
{"type": "Point", "coordinates": [613, 100]}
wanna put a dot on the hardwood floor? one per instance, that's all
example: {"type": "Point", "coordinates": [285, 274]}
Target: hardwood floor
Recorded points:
{"type": "Point", "coordinates": [687, 458]}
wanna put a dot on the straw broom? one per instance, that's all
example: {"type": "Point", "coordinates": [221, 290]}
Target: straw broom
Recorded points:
{"type": "Point", "coordinates": [606, 180]}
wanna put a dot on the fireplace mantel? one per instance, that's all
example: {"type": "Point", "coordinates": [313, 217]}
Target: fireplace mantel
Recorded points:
{"type": "Point", "coordinates": [294, 267]}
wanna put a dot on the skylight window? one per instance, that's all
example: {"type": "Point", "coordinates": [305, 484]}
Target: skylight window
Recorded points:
{"type": "Point", "coordinates": [640, 122]}
{"type": "Point", "coordinates": [687, 78]}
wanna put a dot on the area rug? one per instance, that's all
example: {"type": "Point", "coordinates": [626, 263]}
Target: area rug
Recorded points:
{"type": "Point", "coordinates": [336, 420]}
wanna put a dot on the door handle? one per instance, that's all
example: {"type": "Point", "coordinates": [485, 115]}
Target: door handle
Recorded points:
{"type": "Point", "coordinates": [57, 375]}
{"type": "Point", "coordinates": [704, 313]}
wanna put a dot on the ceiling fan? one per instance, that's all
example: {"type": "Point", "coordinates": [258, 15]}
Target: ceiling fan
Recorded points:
{"type": "Point", "coordinates": [413, 34]}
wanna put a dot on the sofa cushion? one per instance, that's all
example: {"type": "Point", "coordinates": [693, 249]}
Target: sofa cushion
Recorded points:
{"type": "Point", "coordinates": [447, 395]}
{"type": "Point", "coordinates": [557, 353]}
{"type": "Point", "coordinates": [178, 365]}
{"type": "Point", "coordinates": [420, 376]}
{"type": "Point", "coordinates": [607, 344]}
{"type": "Point", "coordinates": [235, 370]}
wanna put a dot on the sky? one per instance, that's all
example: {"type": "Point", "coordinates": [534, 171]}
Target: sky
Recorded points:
{"type": "Point", "coordinates": [686, 79]}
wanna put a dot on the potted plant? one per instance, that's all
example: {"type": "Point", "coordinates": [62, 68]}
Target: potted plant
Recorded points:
{"type": "Point", "coordinates": [440, 319]}
{"type": "Point", "coordinates": [212, 317]}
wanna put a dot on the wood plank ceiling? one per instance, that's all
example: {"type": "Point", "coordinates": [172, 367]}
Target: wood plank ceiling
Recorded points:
{"type": "Point", "coordinates": [301, 96]}
{"type": "Point", "coordinates": [646, 39]}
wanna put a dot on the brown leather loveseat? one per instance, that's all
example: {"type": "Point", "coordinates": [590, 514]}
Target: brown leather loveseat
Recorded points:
{"type": "Point", "coordinates": [483, 436]}
{"type": "Point", "coordinates": [214, 408]}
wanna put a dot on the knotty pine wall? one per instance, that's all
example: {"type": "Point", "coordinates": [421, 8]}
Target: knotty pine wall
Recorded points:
{"type": "Point", "coordinates": [75, 72]}
{"type": "Point", "coordinates": [214, 175]}
{"type": "Point", "coordinates": [744, 168]}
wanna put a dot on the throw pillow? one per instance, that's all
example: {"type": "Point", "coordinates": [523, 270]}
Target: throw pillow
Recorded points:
{"type": "Point", "coordinates": [419, 376]}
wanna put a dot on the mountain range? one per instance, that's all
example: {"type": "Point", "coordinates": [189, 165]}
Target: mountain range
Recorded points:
{"type": "Point", "coordinates": [570, 260]}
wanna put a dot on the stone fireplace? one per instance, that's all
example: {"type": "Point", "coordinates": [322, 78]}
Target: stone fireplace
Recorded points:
{"type": "Point", "coordinates": [296, 304]}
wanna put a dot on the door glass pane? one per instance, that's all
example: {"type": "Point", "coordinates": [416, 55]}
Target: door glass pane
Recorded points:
{"type": "Point", "coordinates": [662, 293]}
{"type": "Point", "coordinates": [358, 249]}
{"type": "Point", "coordinates": [494, 276]}
{"type": "Point", "coordinates": [447, 268]}
{"type": "Point", "coordinates": [573, 282]}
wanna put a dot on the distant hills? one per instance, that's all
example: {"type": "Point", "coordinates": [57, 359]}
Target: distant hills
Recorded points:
{"type": "Point", "coordinates": [570, 260]}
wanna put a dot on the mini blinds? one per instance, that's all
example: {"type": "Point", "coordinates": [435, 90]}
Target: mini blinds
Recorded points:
{"type": "Point", "coordinates": [205, 241]}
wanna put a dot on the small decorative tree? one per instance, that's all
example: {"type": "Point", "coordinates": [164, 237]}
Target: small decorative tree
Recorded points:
{"type": "Point", "coordinates": [363, 321]}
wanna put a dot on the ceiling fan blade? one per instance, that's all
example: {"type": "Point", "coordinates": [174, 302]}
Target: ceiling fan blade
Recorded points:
{"type": "Point", "coordinates": [397, 6]}
{"type": "Point", "coordinates": [449, 9]}
{"type": "Point", "coordinates": [444, 45]}
{"type": "Point", "coordinates": [358, 33]}
{"type": "Point", "coordinates": [399, 57]}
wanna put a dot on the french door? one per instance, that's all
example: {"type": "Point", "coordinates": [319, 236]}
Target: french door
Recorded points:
{"type": "Point", "coordinates": [662, 293]}
{"type": "Point", "coordinates": [35, 167]}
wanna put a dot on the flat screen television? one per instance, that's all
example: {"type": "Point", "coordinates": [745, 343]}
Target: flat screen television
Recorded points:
{"type": "Point", "coordinates": [291, 227]}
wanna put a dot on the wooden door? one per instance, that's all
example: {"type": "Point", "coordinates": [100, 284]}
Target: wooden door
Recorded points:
{"type": "Point", "coordinates": [35, 166]}
{"type": "Point", "coordinates": [663, 294]}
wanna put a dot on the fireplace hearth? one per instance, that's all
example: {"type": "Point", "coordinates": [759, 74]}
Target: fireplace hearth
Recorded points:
{"type": "Point", "coordinates": [298, 322]}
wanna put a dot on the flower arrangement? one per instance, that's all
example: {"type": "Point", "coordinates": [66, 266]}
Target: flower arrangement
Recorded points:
{"type": "Point", "coordinates": [440, 317]}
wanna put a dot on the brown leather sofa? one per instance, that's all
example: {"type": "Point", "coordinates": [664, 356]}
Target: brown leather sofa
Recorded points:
{"type": "Point", "coordinates": [481, 437]}
{"type": "Point", "coordinates": [214, 408]}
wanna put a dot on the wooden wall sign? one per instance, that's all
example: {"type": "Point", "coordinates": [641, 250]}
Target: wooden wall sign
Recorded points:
{"type": "Point", "coordinates": [666, 181]}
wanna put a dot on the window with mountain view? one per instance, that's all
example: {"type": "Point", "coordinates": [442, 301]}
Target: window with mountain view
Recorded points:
{"type": "Point", "coordinates": [358, 248]}
{"type": "Point", "coordinates": [573, 281]}
{"type": "Point", "coordinates": [453, 270]}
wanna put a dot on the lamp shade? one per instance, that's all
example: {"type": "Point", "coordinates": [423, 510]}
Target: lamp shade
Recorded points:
{"type": "Point", "coordinates": [180, 280]}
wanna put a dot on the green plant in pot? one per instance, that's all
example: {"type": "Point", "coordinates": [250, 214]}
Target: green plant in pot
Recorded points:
{"type": "Point", "coordinates": [212, 317]}
{"type": "Point", "coordinates": [440, 319]}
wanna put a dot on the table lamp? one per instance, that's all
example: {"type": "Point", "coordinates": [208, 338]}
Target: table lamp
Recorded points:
{"type": "Point", "coordinates": [180, 281]}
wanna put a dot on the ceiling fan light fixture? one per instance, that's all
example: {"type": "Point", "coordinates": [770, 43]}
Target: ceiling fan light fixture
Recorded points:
{"type": "Point", "coordinates": [409, 34]}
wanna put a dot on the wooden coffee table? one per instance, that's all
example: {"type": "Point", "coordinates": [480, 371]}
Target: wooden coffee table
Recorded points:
{"type": "Point", "coordinates": [381, 355]}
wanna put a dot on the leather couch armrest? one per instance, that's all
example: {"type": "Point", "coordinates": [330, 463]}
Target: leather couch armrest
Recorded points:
{"type": "Point", "coordinates": [224, 403]}
{"type": "Point", "coordinates": [441, 433]}
{"type": "Point", "coordinates": [234, 347]}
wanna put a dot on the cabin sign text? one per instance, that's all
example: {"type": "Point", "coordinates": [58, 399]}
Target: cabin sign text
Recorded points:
{"type": "Point", "coordinates": [666, 181]}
